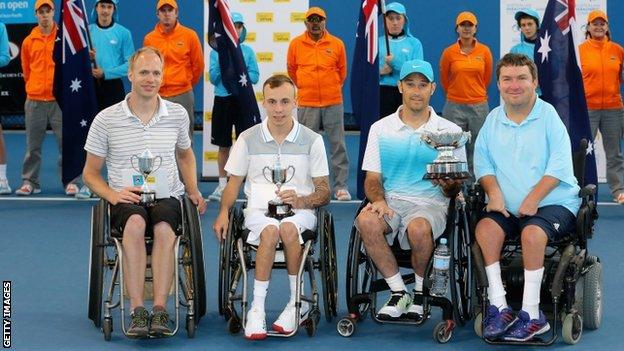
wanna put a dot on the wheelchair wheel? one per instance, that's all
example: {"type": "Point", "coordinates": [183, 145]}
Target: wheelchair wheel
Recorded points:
{"type": "Point", "coordinates": [359, 272]}
{"type": "Point", "coordinates": [190, 326]}
{"type": "Point", "coordinates": [96, 262]}
{"type": "Point", "coordinates": [346, 327]}
{"type": "Point", "coordinates": [329, 272]}
{"type": "Point", "coordinates": [461, 275]}
{"type": "Point", "coordinates": [195, 249]}
{"type": "Point", "coordinates": [572, 328]}
{"type": "Point", "coordinates": [107, 328]}
{"type": "Point", "coordinates": [226, 251]}
{"type": "Point", "coordinates": [442, 332]}
{"type": "Point", "coordinates": [592, 294]}
{"type": "Point", "coordinates": [478, 324]}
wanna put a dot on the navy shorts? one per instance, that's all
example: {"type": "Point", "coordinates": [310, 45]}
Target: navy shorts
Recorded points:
{"type": "Point", "coordinates": [165, 210]}
{"type": "Point", "coordinates": [557, 221]}
{"type": "Point", "coordinates": [225, 114]}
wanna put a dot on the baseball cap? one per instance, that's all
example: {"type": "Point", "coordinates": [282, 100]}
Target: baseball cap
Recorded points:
{"type": "Point", "coordinates": [597, 14]}
{"type": "Point", "coordinates": [237, 17]}
{"type": "Point", "coordinates": [396, 7]}
{"type": "Point", "coordinates": [417, 66]}
{"type": "Point", "coordinates": [315, 11]}
{"type": "Point", "coordinates": [162, 3]}
{"type": "Point", "coordinates": [466, 16]}
{"type": "Point", "coordinates": [40, 3]}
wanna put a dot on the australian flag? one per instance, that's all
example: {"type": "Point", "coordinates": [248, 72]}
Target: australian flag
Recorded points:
{"type": "Point", "coordinates": [556, 56]}
{"type": "Point", "coordinates": [224, 39]}
{"type": "Point", "coordinates": [73, 86]}
{"type": "Point", "coordinates": [365, 78]}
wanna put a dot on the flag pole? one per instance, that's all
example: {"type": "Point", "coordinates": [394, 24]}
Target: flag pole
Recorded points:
{"type": "Point", "coordinates": [89, 41]}
{"type": "Point", "coordinates": [383, 12]}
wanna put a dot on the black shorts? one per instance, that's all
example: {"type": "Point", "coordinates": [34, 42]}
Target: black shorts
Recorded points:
{"type": "Point", "coordinates": [225, 114]}
{"type": "Point", "coordinates": [557, 221]}
{"type": "Point", "coordinates": [165, 210]}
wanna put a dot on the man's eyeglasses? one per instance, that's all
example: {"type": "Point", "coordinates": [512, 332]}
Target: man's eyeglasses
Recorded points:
{"type": "Point", "coordinates": [315, 19]}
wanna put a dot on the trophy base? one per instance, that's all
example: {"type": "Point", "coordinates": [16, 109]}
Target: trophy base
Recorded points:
{"type": "Point", "coordinates": [453, 175]}
{"type": "Point", "coordinates": [148, 198]}
{"type": "Point", "coordinates": [447, 170]}
{"type": "Point", "coordinates": [279, 211]}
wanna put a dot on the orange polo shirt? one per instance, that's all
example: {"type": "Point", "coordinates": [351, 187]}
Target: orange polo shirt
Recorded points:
{"type": "Point", "coordinates": [318, 68]}
{"type": "Point", "coordinates": [601, 65]}
{"type": "Point", "coordinates": [465, 77]}
{"type": "Point", "coordinates": [38, 65]}
{"type": "Point", "coordinates": [184, 59]}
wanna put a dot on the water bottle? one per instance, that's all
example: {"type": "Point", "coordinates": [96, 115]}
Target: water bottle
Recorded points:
{"type": "Point", "coordinates": [440, 273]}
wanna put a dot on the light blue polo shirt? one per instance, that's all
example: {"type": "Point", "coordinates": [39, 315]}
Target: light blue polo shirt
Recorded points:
{"type": "Point", "coordinates": [519, 155]}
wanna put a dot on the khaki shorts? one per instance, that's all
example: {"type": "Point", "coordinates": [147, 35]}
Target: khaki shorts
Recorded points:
{"type": "Point", "coordinates": [405, 211]}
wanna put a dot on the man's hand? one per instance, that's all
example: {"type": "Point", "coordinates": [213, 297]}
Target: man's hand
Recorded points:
{"type": "Point", "coordinates": [290, 197]}
{"type": "Point", "coordinates": [497, 204]}
{"type": "Point", "coordinates": [91, 54]}
{"type": "Point", "coordinates": [220, 225]}
{"type": "Point", "coordinates": [386, 69]}
{"type": "Point", "coordinates": [528, 207]}
{"type": "Point", "coordinates": [127, 195]}
{"type": "Point", "coordinates": [97, 72]}
{"type": "Point", "coordinates": [380, 208]}
{"type": "Point", "coordinates": [199, 201]}
{"type": "Point", "coordinates": [450, 187]}
{"type": "Point", "coordinates": [388, 59]}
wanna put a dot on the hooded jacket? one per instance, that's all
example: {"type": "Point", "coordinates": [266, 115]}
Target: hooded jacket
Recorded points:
{"type": "Point", "coordinates": [601, 66]}
{"type": "Point", "coordinates": [524, 47]}
{"type": "Point", "coordinates": [38, 65]}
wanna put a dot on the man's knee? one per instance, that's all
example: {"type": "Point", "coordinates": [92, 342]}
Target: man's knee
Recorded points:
{"type": "Point", "coordinates": [368, 224]}
{"type": "Point", "coordinates": [419, 232]}
{"type": "Point", "coordinates": [533, 237]}
{"type": "Point", "coordinates": [288, 232]}
{"type": "Point", "coordinates": [163, 233]}
{"type": "Point", "coordinates": [269, 236]}
{"type": "Point", "coordinates": [135, 226]}
{"type": "Point", "coordinates": [486, 229]}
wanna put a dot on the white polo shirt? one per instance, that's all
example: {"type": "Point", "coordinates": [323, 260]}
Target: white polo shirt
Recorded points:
{"type": "Point", "coordinates": [255, 148]}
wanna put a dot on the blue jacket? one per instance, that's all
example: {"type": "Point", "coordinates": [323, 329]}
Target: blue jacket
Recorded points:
{"type": "Point", "coordinates": [5, 57]}
{"type": "Point", "coordinates": [524, 47]}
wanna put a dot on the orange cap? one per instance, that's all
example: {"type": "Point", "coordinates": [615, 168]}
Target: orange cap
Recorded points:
{"type": "Point", "coordinates": [315, 11]}
{"type": "Point", "coordinates": [466, 16]}
{"type": "Point", "coordinates": [40, 3]}
{"type": "Point", "coordinates": [162, 3]}
{"type": "Point", "coordinates": [597, 14]}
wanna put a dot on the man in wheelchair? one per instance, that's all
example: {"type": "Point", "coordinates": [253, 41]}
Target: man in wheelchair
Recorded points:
{"type": "Point", "coordinates": [523, 161]}
{"type": "Point", "coordinates": [278, 138]}
{"type": "Point", "coordinates": [404, 208]}
{"type": "Point", "coordinates": [144, 120]}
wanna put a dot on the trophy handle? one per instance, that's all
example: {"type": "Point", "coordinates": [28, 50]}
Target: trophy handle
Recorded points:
{"type": "Point", "coordinates": [159, 158]}
{"type": "Point", "coordinates": [291, 175]}
{"type": "Point", "coordinates": [132, 158]}
{"type": "Point", "coordinates": [264, 173]}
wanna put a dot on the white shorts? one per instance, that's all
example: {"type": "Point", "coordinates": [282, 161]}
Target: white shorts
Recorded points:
{"type": "Point", "coordinates": [406, 211]}
{"type": "Point", "coordinates": [256, 221]}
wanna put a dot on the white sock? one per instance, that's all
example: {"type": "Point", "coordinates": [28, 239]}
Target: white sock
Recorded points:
{"type": "Point", "coordinates": [496, 291]}
{"type": "Point", "coordinates": [3, 171]}
{"type": "Point", "coordinates": [531, 296]}
{"type": "Point", "coordinates": [222, 181]}
{"type": "Point", "coordinates": [259, 294]}
{"type": "Point", "coordinates": [418, 283]}
{"type": "Point", "coordinates": [292, 279]}
{"type": "Point", "coordinates": [396, 283]}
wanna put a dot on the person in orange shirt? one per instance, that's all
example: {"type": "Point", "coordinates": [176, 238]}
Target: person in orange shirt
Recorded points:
{"type": "Point", "coordinates": [317, 63]}
{"type": "Point", "coordinates": [601, 66]}
{"type": "Point", "coordinates": [184, 58]}
{"type": "Point", "coordinates": [40, 107]}
{"type": "Point", "coordinates": [465, 73]}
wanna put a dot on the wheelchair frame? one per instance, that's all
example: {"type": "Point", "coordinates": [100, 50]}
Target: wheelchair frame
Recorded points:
{"type": "Point", "coordinates": [235, 259]}
{"type": "Point", "coordinates": [106, 266]}
{"type": "Point", "coordinates": [363, 286]}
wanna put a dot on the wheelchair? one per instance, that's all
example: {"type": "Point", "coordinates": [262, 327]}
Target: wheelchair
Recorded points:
{"type": "Point", "coordinates": [571, 290]}
{"type": "Point", "coordinates": [106, 270]}
{"type": "Point", "coordinates": [236, 258]}
{"type": "Point", "coordinates": [363, 281]}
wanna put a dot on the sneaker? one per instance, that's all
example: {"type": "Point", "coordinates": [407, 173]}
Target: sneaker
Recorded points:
{"type": "Point", "coordinates": [526, 328]}
{"type": "Point", "coordinates": [139, 319]}
{"type": "Point", "coordinates": [255, 328]}
{"type": "Point", "coordinates": [84, 193]}
{"type": "Point", "coordinates": [497, 322]}
{"type": "Point", "coordinates": [286, 322]}
{"type": "Point", "coordinates": [216, 194]}
{"type": "Point", "coordinates": [26, 190]}
{"type": "Point", "coordinates": [159, 325]}
{"type": "Point", "coordinates": [415, 312]}
{"type": "Point", "coordinates": [342, 195]}
{"type": "Point", "coordinates": [4, 186]}
{"type": "Point", "coordinates": [397, 306]}
{"type": "Point", "coordinates": [71, 189]}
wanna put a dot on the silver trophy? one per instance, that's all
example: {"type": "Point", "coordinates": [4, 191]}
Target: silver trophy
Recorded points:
{"type": "Point", "coordinates": [446, 165]}
{"type": "Point", "coordinates": [145, 166]}
{"type": "Point", "coordinates": [278, 175]}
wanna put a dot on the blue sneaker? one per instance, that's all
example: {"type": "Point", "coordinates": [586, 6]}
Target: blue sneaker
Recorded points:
{"type": "Point", "coordinates": [497, 322]}
{"type": "Point", "coordinates": [526, 328]}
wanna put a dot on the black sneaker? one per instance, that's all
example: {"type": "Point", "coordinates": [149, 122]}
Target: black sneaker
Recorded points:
{"type": "Point", "coordinates": [160, 323]}
{"type": "Point", "coordinates": [139, 319]}
{"type": "Point", "coordinates": [396, 307]}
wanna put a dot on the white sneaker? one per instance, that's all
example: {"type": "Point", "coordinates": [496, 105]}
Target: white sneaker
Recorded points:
{"type": "Point", "coordinates": [216, 194]}
{"type": "Point", "coordinates": [286, 322]}
{"type": "Point", "coordinates": [4, 186]}
{"type": "Point", "coordinates": [415, 312]}
{"type": "Point", "coordinates": [255, 327]}
{"type": "Point", "coordinates": [397, 306]}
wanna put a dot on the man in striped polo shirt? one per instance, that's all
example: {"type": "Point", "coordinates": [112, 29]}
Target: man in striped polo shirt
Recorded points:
{"type": "Point", "coordinates": [279, 135]}
{"type": "Point", "coordinates": [404, 209]}
{"type": "Point", "coordinates": [144, 121]}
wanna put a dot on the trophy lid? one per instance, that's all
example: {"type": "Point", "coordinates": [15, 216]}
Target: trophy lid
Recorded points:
{"type": "Point", "coordinates": [146, 154]}
{"type": "Point", "coordinates": [456, 139]}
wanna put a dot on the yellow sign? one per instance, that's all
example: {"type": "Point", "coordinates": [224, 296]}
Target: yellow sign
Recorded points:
{"type": "Point", "coordinates": [251, 37]}
{"type": "Point", "coordinates": [207, 116]}
{"type": "Point", "coordinates": [281, 0]}
{"type": "Point", "coordinates": [244, 1]}
{"type": "Point", "coordinates": [206, 76]}
{"type": "Point", "coordinates": [264, 17]}
{"type": "Point", "coordinates": [264, 56]}
{"type": "Point", "coordinates": [259, 96]}
{"type": "Point", "coordinates": [297, 17]}
{"type": "Point", "coordinates": [210, 156]}
{"type": "Point", "coordinates": [281, 37]}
